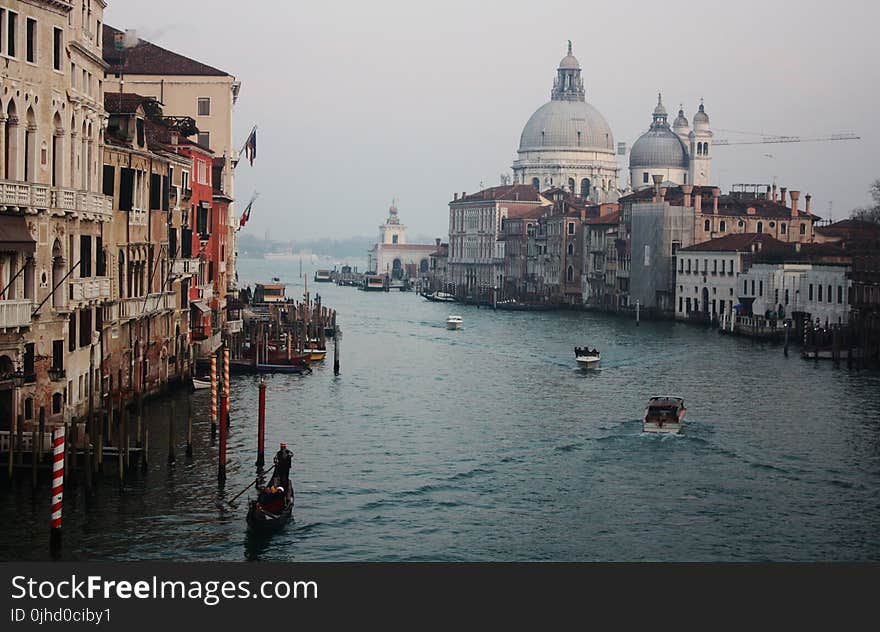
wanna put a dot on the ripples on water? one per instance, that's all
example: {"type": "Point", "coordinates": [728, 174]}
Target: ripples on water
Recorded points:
{"type": "Point", "coordinates": [488, 444]}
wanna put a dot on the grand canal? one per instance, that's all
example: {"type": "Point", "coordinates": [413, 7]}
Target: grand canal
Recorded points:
{"type": "Point", "coordinates": [488, 444]}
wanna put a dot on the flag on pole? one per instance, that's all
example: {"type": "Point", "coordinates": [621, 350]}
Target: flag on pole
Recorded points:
{"type": "Point", "coordinates": [247, 213]}
{"type": "Point", "coordinates": [250, 146]}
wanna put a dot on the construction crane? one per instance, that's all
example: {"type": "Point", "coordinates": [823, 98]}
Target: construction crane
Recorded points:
{"type": "Point", "coordinates": [767, 140]}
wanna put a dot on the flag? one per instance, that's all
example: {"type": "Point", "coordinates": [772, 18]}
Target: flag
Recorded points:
{"type": "Point", "coordinates": [246, 215]}
{"type": "Point", "coordinates": [250, 146]}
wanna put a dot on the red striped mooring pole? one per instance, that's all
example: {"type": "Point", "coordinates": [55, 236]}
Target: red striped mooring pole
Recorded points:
{"type": "Point", "coordinates": [57, 485]}
{"type": "Point", "coordinates": [226, 382]}
{"type": "Point", "coordinates": [213, 395]}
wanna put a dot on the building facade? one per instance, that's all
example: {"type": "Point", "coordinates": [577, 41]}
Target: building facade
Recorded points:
{"type": "Point", "coordinates": [393, 256]}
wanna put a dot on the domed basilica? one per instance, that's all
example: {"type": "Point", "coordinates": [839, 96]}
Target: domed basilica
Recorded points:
{"type": "Point", "coordinates": [567, 143]}
{"type": "Point", "coordinates": [678, 154]}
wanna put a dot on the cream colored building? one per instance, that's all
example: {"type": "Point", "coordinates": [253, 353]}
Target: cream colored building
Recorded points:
{"type": "Point", "coordinates": [184, 87]}
{"type": "Point", "coordinates": [53, 269]}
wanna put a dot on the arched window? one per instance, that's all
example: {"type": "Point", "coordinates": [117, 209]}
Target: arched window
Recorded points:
{"type": "Point", "coordinates": [760, 227]}
{"type": "Point", "coordinates": [571, 249]}
{"type": "Point", "coordinates": [570, 273]}
{"type": "Point", "coordinates": [585, 187]}
{"type": "Point", "coordinates": [29, 408]}
{"type": "Point", "coordinates": [423, 266]}
{"type": "Point", "coordinates": [707, 225]}
{"type": "Point", "coordinates": [706, 149]}
{"type": "Point", "coordinates": [57, 401]}
{"type": "Point", "coordinates": [571, 185]}
{"type": "Point", "coordinates": [722, 226]}
{"type": "Point", "coordinates": [536, 182]}
{"type": "Point", "coordinates": [782, 228]}
{"type": "Point", "coordinates": [803, 229]}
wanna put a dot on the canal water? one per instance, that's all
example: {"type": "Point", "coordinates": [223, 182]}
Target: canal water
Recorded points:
{"type": "Point", "coordinates": [488, 444]}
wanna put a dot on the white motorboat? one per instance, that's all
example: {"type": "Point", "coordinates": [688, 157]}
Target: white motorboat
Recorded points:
{"type": "Point", "coordinates": [201, 382]}
{"type": "Point", "coordinates": [587, 358]}
{"type": "Point", "coordinates": [664, 414]}
{"type": "Point", "coordinates": [454, 322]}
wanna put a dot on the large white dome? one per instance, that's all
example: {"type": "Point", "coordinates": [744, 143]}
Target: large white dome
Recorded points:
{"type": "Point", "coordinates": [567, 124]}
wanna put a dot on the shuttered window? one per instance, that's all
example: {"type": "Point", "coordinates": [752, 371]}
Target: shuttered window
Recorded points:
{"type": "Point", "coordinates": [126, 189]}
{"type": "Point", "coordinates": [155, 191]}
{"type": "Point", "coordinates": [109, 183]}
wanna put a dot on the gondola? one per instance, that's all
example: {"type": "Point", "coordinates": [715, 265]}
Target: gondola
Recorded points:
{"type": "Point", "coordinates": [259, 517]}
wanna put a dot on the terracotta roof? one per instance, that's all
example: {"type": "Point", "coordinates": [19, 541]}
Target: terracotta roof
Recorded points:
{"type": "Point", "coordinates": [605, 220]}
{"type": "Point", "coordinates": [527, 211]}
{"type": "Point", "coordinates": [727, 204]}
{"type": "Point", "coordinates": [739, 242]}
{"type": "Point", "coordinates": [125, 102]}
{"type": "Point", "coordinates": [511, 192]}
{"type": "Point", "coordinates": [148, 59]}
{"type": "Point", "coordinates": [851, 229]}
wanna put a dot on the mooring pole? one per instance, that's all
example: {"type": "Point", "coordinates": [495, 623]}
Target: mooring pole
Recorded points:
{"type": "Point", "coordinates": [785, 348]}
{"type": "Point", "coordinates": [189, 427]}
{"type": "Point", "coordinates": [57, 487]}
{"type": "Point", "coordinates": [213, 395]}
{"type": "Point", "coordinates": [221, 465]}
{"type": "Point", "coordinates": [637, 313]}
{"type": "Point", "coordinates": [12, 447]}
{"type": "Point", "coordinates": [261, 427]}
{"type": "Point", "coordinates": [171, 458]}
{"type": "Point", "coordinates": [226, 382]}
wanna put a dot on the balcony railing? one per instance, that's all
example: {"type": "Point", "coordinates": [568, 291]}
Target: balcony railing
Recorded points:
{"type": "Point", "coordinates": [89, 289]}
{"type": "Point", "coordinates": [15, 313]}
{"type": "Point", "coordinates": [26, 194]}
{"type": "Point", "coordinates": [111, 312]}
{"type": "Point", "coordinates": [234, 326]}
{"type": "Point", "coordinates": [144, 306]}
{"type": "Point", "coordinates": [206, 292]}
{"type": "Point", "coordinates": [183, 267]}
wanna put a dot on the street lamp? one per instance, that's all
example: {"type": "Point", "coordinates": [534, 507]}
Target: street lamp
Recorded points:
{"type": "Point", "coordinates": [18, 378]}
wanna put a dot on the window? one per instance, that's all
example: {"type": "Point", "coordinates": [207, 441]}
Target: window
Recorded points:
{"type": "Point", "coordinates": [11, 33]}
{"type": "Point", "coordinates": [714, 266]}
{"type": "Point", "coordinates": [31, 40]}
{"type": "Point", "coordinates": [707, 226]}
{"type": "Point", "coordinates": [201, 171]}
{"type": "Point", "coordinates": [30, 373]}
{"type": "Point", "coordinates": [571, 249]}
{"type": "Point", "coordinates": [645, 177]}
{"type": "Point", "coordinates": [829, 294]}
{"type": "Point", "coordinates": [85, 327]}
{"type": "Point", "coordinates": [71, 332]}
{"type": "Point", "coordinates": [689, 266]}
{"type": "Point", "coordinates": [571, 228]}
{"type": "Point", "coordinates": [820, 292]}
{"type": "Point", "coordinates": [204, 106]}
{"type": "Point", "coordinates": [141, 138]}
{"type": "Point", "coordinates": [839, 294]}
{"type": "Point", "coordinates": [760, 227]}
{"type": "Point", "coordinates": [58, 354]}
{"type": "Point", "coordinates": [204, 139]}
{"type": "Point", "coordinates": [803, 229]}
{"type": "Point", "coordinates": [782, 228]}
{"type": "Point", "coordinates": [753, 287]}
{"type": "Point", "coordinates": [57, 44]}
{"type": "Point", "coordinates": [761, 288]}
{"type": "Point", "coordinates": [786, 297]}
{"type": "Point", "coordinates": [2, 22]}
{"type": "Point", "coordinates": [745, 287]}
{"type": "Point", "coordinates": [85, 256]}
{"type": "Point", "coordinates": [811, 292]}
{"type": "Point", "coordinates": [393, 239]}
{"type": "Point", "coordinates": [57, 401]}
{"type": "Point", "coordinates": [73, 75]}
{"type": "Point", "coordinates": [722, 226]}
{"type": "Point", "coordinates": [29, 408]}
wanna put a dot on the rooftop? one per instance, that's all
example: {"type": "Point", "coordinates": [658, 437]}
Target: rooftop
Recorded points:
{"type": "Point", "coordinates": [145, 58]}
{"type": "Point", "coordinates": [510, 192]}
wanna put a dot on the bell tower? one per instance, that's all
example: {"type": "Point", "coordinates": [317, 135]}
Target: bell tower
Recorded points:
{"type": "Point", "coordinates": [701, 149]}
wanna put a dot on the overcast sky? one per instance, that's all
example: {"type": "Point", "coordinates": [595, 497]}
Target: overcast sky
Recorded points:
{"type": "Point", "coordinates": [358, 101]}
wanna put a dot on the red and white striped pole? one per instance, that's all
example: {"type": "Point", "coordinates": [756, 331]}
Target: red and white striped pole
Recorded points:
{"type": "Point", "coordinates": [226, 381]}
{"type": "Point", "coordinates": [57, 485]}
{"type": "Point", "coordinates": [213, 394]}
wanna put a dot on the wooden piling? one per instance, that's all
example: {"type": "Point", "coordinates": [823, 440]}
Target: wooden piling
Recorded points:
{"type": "Point", "coordinates": [20, 440]}
{"type": "Point", "coordinates": [145, 451]}
{"type": "Point", "coordinates": [87, 465]}
{"type": "Point", "coordinates": [189, 428]}
{"type": "Point", "coordinates": [140, 420]}
{"type": "Point", "coordinates": [12, 434]}
{"type": "Point", "coordinates": [171, 434]}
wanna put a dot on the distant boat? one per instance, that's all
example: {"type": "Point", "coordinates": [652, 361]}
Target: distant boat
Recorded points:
{"type": "Point", "coordinates": [279, 255]}
{"type": "Point", "coordinates": [454, 322]}
{"type": "Point", "coordinates": [587, 358]}
{"type": "Point", "coordinates": [322, 276]}
{"type": "Point", "coordinates": [200, 383]}
{"type": "Point", "coordinates": [440, 297]}
{"type": "Point", "coordinates": [373, 283]}
{"type": "Point", "coordinates": [664, 414]}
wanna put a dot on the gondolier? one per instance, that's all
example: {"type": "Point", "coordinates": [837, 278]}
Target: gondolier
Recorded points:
{"type": "Point", "coordinates": [283, 463]}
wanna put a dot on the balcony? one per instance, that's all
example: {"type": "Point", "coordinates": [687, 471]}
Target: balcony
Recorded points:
{"type": "Point", "coordinates": [15, 314]}
{"type": "Point", "coordinates": [140, 306]}
{"type": "Point", "coordinates": [111, 312]}
{"type": "Point", "coordinates": [206, 292]}
{"type": "Point", "coordinates": [82, 204]}
{"type": "Point", "coordinates": [185, 267]}
{"type": "Point", "coordinates": [234, 326]}
{"type": "Point", "coordinates": [89, 289]}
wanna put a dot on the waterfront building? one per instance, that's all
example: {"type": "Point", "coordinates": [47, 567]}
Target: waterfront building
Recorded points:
{"type": "Point", "coordinates": [53, 217]}
{"type": "Point", "coordinates": [707, 274]}
{"type": "Point", "coordinates": [515, 233]}
{"type": "Point", "coordinates": [393, 257]}
{"type": "Point", "coordinates": [677, 154]}
{"type": "Point", "coordinates": [476, 256]}
{"type": "Point", "coordinates": [145, 347]}
{"type": "Point", "coordinates": [188, 88]}
{"type": "Point", "coordinates": [567, 142]}
{"type": "Point", "coordinates": [601, 245]}
{"type": "Point", "coordinates": [438, 267]}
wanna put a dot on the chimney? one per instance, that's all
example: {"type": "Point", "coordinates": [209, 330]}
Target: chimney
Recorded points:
{"type": "Point", "coordinates": [687, 189]}
{"type": "Point", "coordinates": [437, 241]}
{"type": "Point", "coordinates": [657, 180]}
{"type": "Point", "coordinates": [774, 192]}
{"type": "Point", "coordinates": [463, 194]}
{"type": "Point", "coordinates": [716, 193]}
{"type": "Point", "coordinates": [782, 191]}
{"type": "Point", "coordinates": [767, 196]}
{"type": "Point", "coordinates": [808, 198]}
{"type": "Point", "coordinates": [455, 196]}
{"type": "Point", "coordinates": [698, 200]}
{"type": "Point", "coordinates": [795, 196]}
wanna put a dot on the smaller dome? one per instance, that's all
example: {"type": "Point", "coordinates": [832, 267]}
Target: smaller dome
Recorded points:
{"type": "Point", "coordinates": [658, 148]}
{"type": "Point", "coordinates": [569, 62]}
{"type": "Point", "coordinates": [680, 121]}
{"type": "Point", "coordinates": [701, 119]}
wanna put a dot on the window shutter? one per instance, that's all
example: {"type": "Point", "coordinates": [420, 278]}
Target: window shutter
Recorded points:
{"type": "Point", "coordinates": [126, 189]}
{"type": "Point", "coordinates": [109, 179]}
{"type": "Point", "coordinates": [166, 193]}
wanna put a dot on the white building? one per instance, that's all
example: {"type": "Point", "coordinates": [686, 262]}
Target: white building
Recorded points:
{"type": "Point", "coordinates": [678, 154]}
{"type": "Point", "coordinates": [567, 142]}
{"type": "Point", "coordinates": [819, 292]}
{"type": "Point", "coordinates": [394, 257]}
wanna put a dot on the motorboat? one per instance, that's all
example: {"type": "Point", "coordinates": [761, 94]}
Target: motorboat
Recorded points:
{"type": "Point", "coordinates": [454, 322]}
{"type": "Point", "coordinates": [664, 414]}
{"type": "Point", "coordinates": [587, 358]}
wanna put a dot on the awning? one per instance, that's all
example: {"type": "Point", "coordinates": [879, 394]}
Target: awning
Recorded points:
{"type": "Point", "coordinates": [15, 236]}
{"type": "Point", "coordinates": [200, 306]}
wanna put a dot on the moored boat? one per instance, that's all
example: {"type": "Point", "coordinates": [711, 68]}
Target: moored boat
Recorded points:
{"type": "Point", "coordinates": [587, 358]}
{"type": "Point", "coordinates": [315, 355]}
{"type": "Point", "coordinates": [454, 322]}
{"type": "Point", "coordinates": [200, 383]}
{"type": "Point", "coordinates": [664, 414]}
{"type": "Point", "coordinates": [322, 276]}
